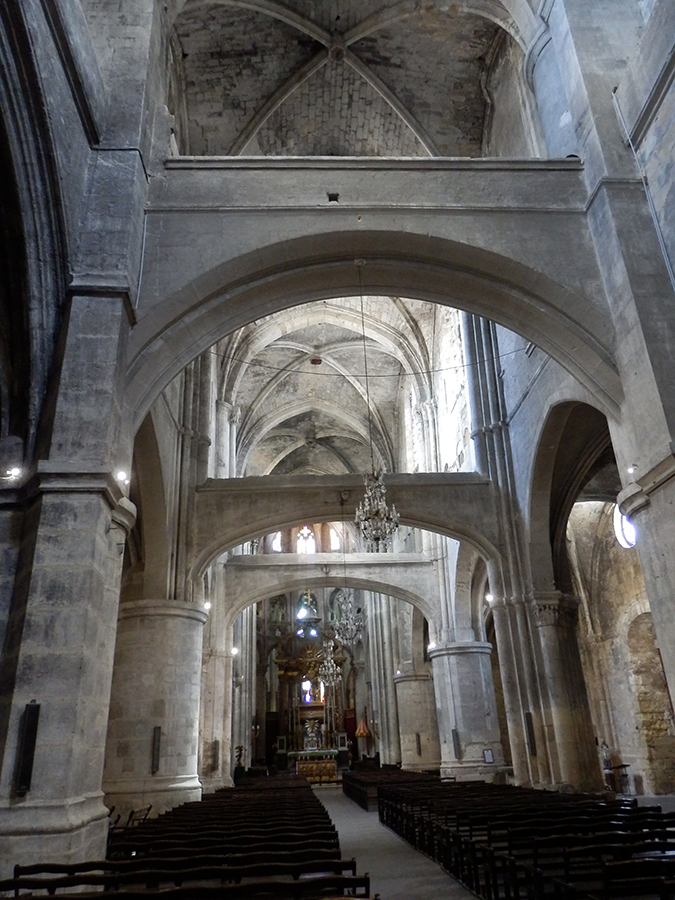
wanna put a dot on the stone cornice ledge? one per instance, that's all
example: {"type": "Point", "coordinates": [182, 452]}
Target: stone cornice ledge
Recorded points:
{"type": "Point", "coordinates": [636, 495]}
{"type": "Point", "coordinates": [395, 163]}
{"type": "Point", "coordinates": [103, 285]}
{"type": "Point", "coordinates": [326, 560]}
{"type": "Point", "coordinates": [348, 483]}
{"type": "Point", "coordinates": [75, 478]}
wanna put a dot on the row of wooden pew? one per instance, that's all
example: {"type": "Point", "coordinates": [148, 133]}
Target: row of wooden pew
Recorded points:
{"type": "Point", "coordinates": [507, 843]}
{"type": "Point", "coordinates": [266, 840]}
{"type": "Point", "coordinates": [361, 784]}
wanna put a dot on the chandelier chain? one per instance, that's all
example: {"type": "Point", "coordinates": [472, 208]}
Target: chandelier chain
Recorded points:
{"type": "Point", "coordinates": [365, 371]}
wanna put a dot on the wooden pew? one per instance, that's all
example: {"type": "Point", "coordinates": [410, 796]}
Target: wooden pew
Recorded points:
{"type": "Point", "coordinates": [319, 886]}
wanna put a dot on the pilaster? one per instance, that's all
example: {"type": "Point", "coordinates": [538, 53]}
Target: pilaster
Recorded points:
{"type": "Point", "coordinates": [380, 649]}
{"type": "Point", "coordinates": [521, 749]}
{"type": "Point", "coordinates": [556, 616]}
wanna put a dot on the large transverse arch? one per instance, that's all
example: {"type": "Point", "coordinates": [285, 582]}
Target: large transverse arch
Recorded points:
{"type": "Point", "coordinates": [230, 511]}
{"type": "Point", "coordinates": [214, 262]}
{"type": "Point", "coordinates": [411, 577]}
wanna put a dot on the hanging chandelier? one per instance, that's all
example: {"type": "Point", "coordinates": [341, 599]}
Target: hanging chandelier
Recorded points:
{"type": "Point", "coordinates": [307, 616]}
{"type": "Point", "coordinates": [376, 522]}
{"type": "Point", "coordinates": [329, 671]}
{"type": "Point", "coordinates": [349, 626]}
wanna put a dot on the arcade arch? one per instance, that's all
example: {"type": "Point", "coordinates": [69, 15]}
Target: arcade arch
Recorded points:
{"type": "Point", "coordinates": [216, 302]}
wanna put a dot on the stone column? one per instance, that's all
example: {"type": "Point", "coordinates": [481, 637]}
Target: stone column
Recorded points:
{"type": "Point", "coordinates": [206, 457]}
{"type": "Point", "coordinates": [576, 753]}
{"type": "Point", "coordinates": [59, 654]}
{"type": "Point", "coordinates": [58, 649]}
{"type": "Point", "coordinates": [382, 668]}
{"type": "Point", "coordinates": [222, 454]}
{"type": "Point", "coordinates": [420, 748]}
{"type": "Point", "coordinates": [537, 725]}
{"type": "Point", "coordinates": [418, 726]}
{"type": "Point", "coordinates": [216, 685]}
{"type": "Point", "coordinates": [515, 713]}
{"type": "Point", "coordinates": [216, 693]}
{"type": "Point", "coordinates": [467, 710]}
{"type": "Point", "coordinates": [234, 419]}
{"type": "Point", "coordinates": [244, 679]}
{"type": "Point", "coordinates": [156, 685]}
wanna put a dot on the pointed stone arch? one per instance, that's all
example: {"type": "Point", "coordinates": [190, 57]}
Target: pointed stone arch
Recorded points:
{"type": "Point", "coordinates": [174, 331]}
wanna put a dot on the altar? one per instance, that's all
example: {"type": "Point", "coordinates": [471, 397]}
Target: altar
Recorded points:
{"type": "Point", "coordinates": [316, 765]}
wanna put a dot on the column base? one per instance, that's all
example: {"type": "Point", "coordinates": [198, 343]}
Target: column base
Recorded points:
{"type": "Point", "coordinates": [209, 785]}
{"type": "Point", "coordinates": [476, 771]}
{"type": "Point", "coordinates": [418, 767]}
{"type": "Point", "coordinates": [163, 793]}
{"type": "Point", "coordinates": [67, 833]}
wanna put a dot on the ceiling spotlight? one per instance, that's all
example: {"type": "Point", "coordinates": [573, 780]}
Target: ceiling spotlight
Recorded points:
{"type": "Point", "coordinates": [300, 632]}
{"type": "Point", "coordinates": [313, 632]}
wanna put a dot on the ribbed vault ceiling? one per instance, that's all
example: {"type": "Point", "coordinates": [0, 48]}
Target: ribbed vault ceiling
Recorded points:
{"type": "Point", "coordinates": [335, 78]}
{"type": "Point", "coordinates": [297, 416]}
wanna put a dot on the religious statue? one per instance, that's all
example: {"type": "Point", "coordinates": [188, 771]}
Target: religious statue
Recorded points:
{"type": "Point", "coordinates": [311, 741]}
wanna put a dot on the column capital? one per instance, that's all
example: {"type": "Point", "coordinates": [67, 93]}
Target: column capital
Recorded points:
{"type": "Point", "coordinates": [554, 608]}
{"type": "Point", "coordinates": [61, 476]}
{"type": "Point", "coordinates": [124, 515]}
{"type": "Point", "coordinates": [496, 602]}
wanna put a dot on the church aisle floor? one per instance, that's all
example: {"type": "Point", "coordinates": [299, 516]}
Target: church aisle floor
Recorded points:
{"type": "Point", "coordinates": [397, 871]}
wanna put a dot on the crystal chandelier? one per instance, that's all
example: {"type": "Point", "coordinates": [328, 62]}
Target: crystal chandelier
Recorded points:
{"type": "Point", "coordinates": [307, 616]}
{"type": "Point", "coordinates": [349, 627]}
{"type": "Point", "coordinates": [376, 522]}
{"type": "Point", "coordinates": [329, 671]}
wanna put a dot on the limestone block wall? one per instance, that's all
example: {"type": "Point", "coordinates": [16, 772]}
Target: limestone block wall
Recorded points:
{"type": "Point", "coordinates": [658, 155]}
{"type": "Point", "coordinates": [645, 100]}
{"type": "Point", "coordinates": [630, 704]}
